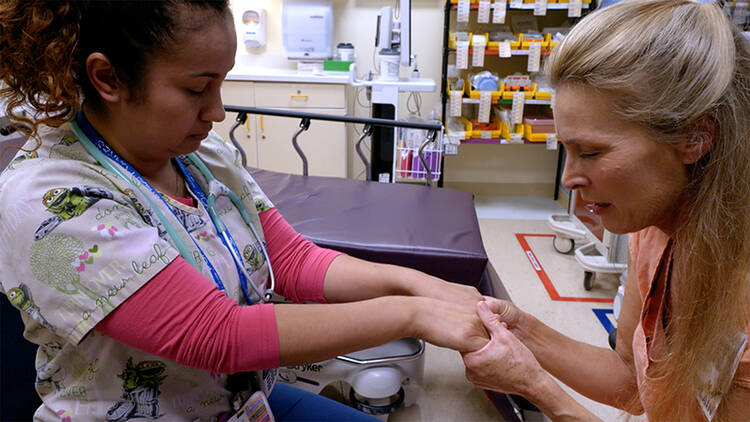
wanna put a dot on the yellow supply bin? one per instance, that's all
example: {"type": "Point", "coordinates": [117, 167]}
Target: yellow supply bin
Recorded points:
{"type": "Point", "coordinates": [536, 128]}
{"type": "Point", "coordinates": [453, 42]}
{"type": "Point", "coordinates": [496, 95]}
{"type": "Point", "coordinates": [527, 93]}
{"type": "Point", "coordinates": [507, 131]}
{"type": "Point", "coordinates": [514, 45]}
{"type": "Point", "coordinates": [545, 42]}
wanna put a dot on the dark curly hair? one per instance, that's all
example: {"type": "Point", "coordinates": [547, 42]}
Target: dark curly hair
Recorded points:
{"type": "Point", "coordinates": [44, 45]}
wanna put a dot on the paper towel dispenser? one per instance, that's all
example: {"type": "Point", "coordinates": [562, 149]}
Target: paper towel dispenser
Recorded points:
{"type": "Point", "coordinates": [307, 27]}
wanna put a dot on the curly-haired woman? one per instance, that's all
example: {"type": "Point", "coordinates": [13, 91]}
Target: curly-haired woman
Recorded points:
{"type": "Point", "coordinates": [133, 291]}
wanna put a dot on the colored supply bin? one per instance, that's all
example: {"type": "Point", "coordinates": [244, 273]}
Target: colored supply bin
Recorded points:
{"type": "Point", "coordinates": [508, 133]}
{"type": "Point", "coordinates": [537, 128]}
{"type": "Point", "coordinates": [525, 41]}
{"type": "Point", "coordinates": [336, 65]}
{"type": "Point", "coordinates": [548, 1]}
{"type": "Point", "coordinates": [514, 45]}
{"type": "Point", "coordinates": [452, 89]}
{"type": "Point", "coordinates": [496, 95]}
{"type": "Point", "coordinates": [543, 95]}
{"type": "Point", "coordinates": [467, 128]}
{"type": "Point", "coordinates": [453, 42]}
{"type": "Point", "coordinates": [485, 36]}
{"type": "Point", "coordinates": [528, 93]}
{"type": "Point", "coordinates": [486, 131]}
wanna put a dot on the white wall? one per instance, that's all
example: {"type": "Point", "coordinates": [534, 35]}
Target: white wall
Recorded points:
{"type": "Point", "coordinates": [355, 22]}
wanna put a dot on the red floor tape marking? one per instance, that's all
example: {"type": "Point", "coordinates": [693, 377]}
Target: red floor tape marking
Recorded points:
{"type": "Point", "coordinates": [545, 278]}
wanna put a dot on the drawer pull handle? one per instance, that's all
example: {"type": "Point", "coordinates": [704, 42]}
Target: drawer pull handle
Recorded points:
{"type": "Point", "coordinates": [299, 96]}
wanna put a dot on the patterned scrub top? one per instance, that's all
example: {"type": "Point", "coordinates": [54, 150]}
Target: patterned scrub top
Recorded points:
{"type": "Point", "coordinates": [79, 241]}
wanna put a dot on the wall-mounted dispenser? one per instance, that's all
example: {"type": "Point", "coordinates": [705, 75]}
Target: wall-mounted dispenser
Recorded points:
{"type": "Point", "coordinates": [254, 27]}
{"type": "Point", "coordinates": [307, 27]}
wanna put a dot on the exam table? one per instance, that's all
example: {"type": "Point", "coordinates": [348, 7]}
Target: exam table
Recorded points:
{"type": "Point", "coordinates": [430, 229]}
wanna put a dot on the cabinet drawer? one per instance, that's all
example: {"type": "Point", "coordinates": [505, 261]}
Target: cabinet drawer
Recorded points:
{"type": "Point", "coordinates": [296, 95]}
{"type": "Point", "coordinates": [237, 93]}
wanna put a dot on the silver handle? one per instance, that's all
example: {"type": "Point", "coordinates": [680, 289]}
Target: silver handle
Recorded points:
{"type": "Point", "coordinates": [391, 359]}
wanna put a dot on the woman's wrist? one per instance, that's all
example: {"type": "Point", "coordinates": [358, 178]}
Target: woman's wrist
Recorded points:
{"type": "Point", "coordinates": [407, 282]}
{"type": "Point", "coordinates": [417, 307]}
{"type": "Point", "coordinates": [554, 402]}
{"type": "Point", "coordinates": [419, 284]}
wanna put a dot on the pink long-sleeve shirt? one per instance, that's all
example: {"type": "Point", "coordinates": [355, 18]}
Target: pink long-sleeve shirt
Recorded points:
{"type": "Point", "coordinates": [242, 338]}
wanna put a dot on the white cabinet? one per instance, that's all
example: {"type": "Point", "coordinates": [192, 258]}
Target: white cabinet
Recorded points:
{"type": "Point", "coordinates": [240, 94]}
{"type": "Point", "coordinates": [267, 140]}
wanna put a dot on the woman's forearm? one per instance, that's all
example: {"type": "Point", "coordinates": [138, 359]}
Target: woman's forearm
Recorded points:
{"type": "Point", "coordinates": [350, 279]}
{"type": "Point", "coordinates": [596, 372]}
{"type": "Point", "coordinates": [311, 333]}
{"type": "Point", "coordinates": [558, 405]}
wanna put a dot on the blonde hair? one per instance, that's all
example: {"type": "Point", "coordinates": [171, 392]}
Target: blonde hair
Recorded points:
{"type": "Point", "coordinates": [680, 69]}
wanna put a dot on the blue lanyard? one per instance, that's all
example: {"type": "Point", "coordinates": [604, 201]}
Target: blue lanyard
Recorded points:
{"type": "Point", "coordinates": [221, 229]}
{"type": "Point", "coordinates": [96, 140]}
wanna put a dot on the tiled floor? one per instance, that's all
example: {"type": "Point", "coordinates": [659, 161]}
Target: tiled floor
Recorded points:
{"type": "Point", "coordinates": [504, 221]}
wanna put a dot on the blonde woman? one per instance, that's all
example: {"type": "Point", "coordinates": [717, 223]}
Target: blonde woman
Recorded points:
{"type": "Point", "coordinates": [653, 109]}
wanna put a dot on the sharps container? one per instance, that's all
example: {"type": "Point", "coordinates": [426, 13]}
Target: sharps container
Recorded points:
{"type": "Point", "coordinates": [389, 63]}
{"type": "Point", "coordinates": [345, 51]}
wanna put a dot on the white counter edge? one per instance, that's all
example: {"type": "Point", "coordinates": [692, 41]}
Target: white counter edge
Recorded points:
{"type": "Point", "coordinates": [286, 75]}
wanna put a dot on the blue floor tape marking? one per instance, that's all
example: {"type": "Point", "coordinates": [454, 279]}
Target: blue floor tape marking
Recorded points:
{"type": "Point", "coordinates": [602, 314]}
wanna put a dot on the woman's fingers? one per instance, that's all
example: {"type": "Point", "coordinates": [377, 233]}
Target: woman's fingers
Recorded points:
{"type": "Point", "coordinates": [490, 319]}
{"type": "Point", "coordinates": [456, 326]}
{"type": "Point", "coordinates": [506, 311]}
{"type": "Point", "coordinates": [504, 363]}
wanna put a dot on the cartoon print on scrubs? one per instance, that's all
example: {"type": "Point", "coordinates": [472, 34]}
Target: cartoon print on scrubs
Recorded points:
{"type": "Point", "coordinates": [75, 275]}
{"type": "Point", "coordinates": [253, 257]}
{"type": "Point", "coordinates": [261, 206]}
{"type": "Point", "coordinates": [49, 374]}
{"type": "Point", "coordinates": [140, 391]}
{"type": "Point", "coordinates": [191, 222]}
{"type": "Point", "coordinates": [146, 214]}
{"type": "Point", "coordinates": [67, 203]}
{"type": "Point", "coordinates": [20, 297]}
{"type": "Point", "coordinates": [62, 149]}
{"type": "Point", "coordinates": [23, 157]}
{"type": "Point", "coordinates": [52, 263]}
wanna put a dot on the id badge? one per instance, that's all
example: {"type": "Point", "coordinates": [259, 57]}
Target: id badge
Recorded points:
{"type": "Point", "coordinates": [268, 380]}
{"type": "Point", "coordinates": [255, 409]}
{"type": "Point", "coordinates": [717, 378]}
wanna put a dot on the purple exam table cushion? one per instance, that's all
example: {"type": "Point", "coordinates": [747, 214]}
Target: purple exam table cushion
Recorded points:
{"type": "Point", "coordinates": [434, 230]}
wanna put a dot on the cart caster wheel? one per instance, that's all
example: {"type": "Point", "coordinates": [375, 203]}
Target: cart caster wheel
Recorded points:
{"type": "Point", "coordinates": [588, 280]}
{"type": "Point", "coordinates": [563, 245]}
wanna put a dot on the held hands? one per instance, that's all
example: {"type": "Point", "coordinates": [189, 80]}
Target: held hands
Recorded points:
{"type": "Point", "coordinates": [446, 324]}
{"type": "Point", "coordinates": [506, 312]}
{"type": "Point", "coordinates": [504, 363]}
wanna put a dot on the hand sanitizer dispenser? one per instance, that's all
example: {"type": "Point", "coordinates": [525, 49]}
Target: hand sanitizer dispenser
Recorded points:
{"type": "Point", "coordinates": [307, 27]}
{"type": "Point", "coordinates": [254, 27]}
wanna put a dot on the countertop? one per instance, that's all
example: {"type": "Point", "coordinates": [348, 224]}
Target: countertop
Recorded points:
{"type": "Point", "coordinates": [268, 74]}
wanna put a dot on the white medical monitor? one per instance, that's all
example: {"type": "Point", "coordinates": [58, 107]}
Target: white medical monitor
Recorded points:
{"type": "Point", "coordinates": [405, 18]}
{"type": "Point", "coordinates": [384, 35]}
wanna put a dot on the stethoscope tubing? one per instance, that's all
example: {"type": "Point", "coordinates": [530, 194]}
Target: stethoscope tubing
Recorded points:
{"type": "Point", "coordinates": [106, 162]}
